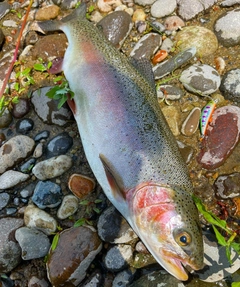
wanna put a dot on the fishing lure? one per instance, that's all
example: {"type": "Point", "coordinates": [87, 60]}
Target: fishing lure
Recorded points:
{"type": "Point", "coordinates": [206, 115]}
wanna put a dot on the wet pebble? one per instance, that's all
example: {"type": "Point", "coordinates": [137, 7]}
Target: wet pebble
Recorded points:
{"type": "Point", "coordinates": [162, 8]}
{"type": "Point", "coordinates": [116, 27]}
{"type": "Point", "coordinates": [164, 68]}
{"type": "Point", "coordinates": [37, 218]}
{"type": "Point", "coordinates": [27, 166]}
{"type": "Point", "coordinates": [12, 178]}
{"type": "Point", "coordinates": [222, 136]}
{"type": "Point", "coordinates": [113, 228]}
{"type": "Point", "coordinates": [52, 167]}
{"type": "Point", "coordinates": [27, 238]}
{"type": "Point", "coordinates": [60, 144]}
{"type": "Point", "coordinates": [68, 207]}
{"type": "Point", "coordinates": [20, 109]}
{"type": "Point", "coordinates": [47, 109]}
{"type": "Point", "coordinates": [200, 79]}
{"type": "Point", "coordinates": [230, 85]}
{"type": "Point", "coordinates": [147, 46]}
{"type": "Point", "coordinates": [24, 126]}
{"type": "Point", "coordinates": [5, 119]}
{"type": "Point", "coordinates": [81, 185]}
{"type": "Point", "coordinates": [188, 11]}
{"type": "Point", "coordinates": [191, 123]}
{"type": "Point", "coordinates": [203, 39]}
{"type": "Point", "coordinates": [10, 252]}
{"type": "Point", "coordinates": [14, 151]}
{"type": "Point", "coordinates": [4, 199]}
{"type": "Point", "coordinates": [118, 257]}
{"type": "Point", "coordinates": [227, 186]}
{"type": "Point", "coordinates": [47, 194]}
{"type": "Point", "coordinates": [78, 246]}
{"type": "Point", "coordinates": [43, 135]}
{"type": "Point", "coordinates": [227, 28]}
{"type": "Point", "coordinates": [47, 13]}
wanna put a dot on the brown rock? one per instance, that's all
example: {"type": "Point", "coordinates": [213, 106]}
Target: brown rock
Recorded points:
{"type": "Point", "coordinates": [47, 13]}
{"type": "Point", "coordinates": [80, 185]}
{"type": "Point", "coordinates": [221, 137]}
{"type": "Point", "coordinates": [76, 249]}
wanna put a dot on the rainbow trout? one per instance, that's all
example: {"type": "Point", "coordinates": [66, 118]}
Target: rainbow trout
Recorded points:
{"type": "Point", "coordinates": [130, 147]}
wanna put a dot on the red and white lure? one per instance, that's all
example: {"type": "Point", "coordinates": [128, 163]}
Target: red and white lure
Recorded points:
{"type": "Point", "coordinates": [206, 115]}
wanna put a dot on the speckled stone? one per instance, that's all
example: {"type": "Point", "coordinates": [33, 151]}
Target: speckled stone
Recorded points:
{"type": "Point", "coordinates": [227, 28]}
{"type": "Point", "coordinates": [15, 150]}
{"type": "Point", "coordinates": [203, 39]}
{"type": "Point", "coordinates": [68, 206]}
{"type": "Point", "coordinates": [116, 26]}
{"type": "Point", "coordinates": [78, 246]}
{"type": "Point", "coordinates": [200, 79]}
{"type": "Point", "coordinates": [12, 178]}
{"type": "Point", "coordinates": [52, 167]}
{"type": "Point", "coordinates": [230, 85]}
{"type": "Point", "coordinates": [221, 137]}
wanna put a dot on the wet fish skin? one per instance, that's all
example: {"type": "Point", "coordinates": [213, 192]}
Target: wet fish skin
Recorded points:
{"type": "Point", "coordinates": [130, 147]}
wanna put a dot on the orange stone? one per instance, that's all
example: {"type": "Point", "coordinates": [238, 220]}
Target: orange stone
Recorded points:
{"type": "Point", "coordinates": [81, 185]}
{"type": "Point", "coordinates": [159, 56]}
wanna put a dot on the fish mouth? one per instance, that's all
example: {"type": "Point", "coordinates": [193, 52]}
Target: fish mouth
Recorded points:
{"type": "Point", "coordinates": [174, 265]}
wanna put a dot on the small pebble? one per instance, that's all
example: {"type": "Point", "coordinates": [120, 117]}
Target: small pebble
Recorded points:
{"type": "Point", "coordinates": [81, 185]}
{"type": "Point", "coordinates": [227, 186]}
{"type": "Point", "coordinates": [68, 207]}
{"type": "Point", "coordinates": [42, 136]}
{"type": "Point", "coordinates": [201, 79]}
{"type": "Point", "coordinates": [47, 194]}
{"type": "Point", "coordinates": [118, 257]}
{"type": "Point", "coordinates": [60, 144]}
{"type": "Point", "coordinates": [139, 15]}
{"type": "Point", "coordinates": [5, 119]}
{"type": "Point", "coordinates": [27, 238]}
{"type": "Point", "coordinates": [191, 123]}
{"type": "Point", "coordinates": [124, 278]}
{"type": "Point", "coordinates": [159, 56]}
{"type": "Point", "coordinates": [171, 114]}
{"type": "Point", "coordinates": [38, 151]}
{"type": "Point", "coordinates": [169, 92]}
{"type": "Point", "coordinates": [28, 165]}
{"type": "Point", "coordinates": [52, 167]}
{"type": "Point", "coordinates": [36, 218]}
{"type": "Point", "coordinates": [20, 109]}
{"type": "Point", "coordinates": [173, 23]}
{"type": "Point", "coordinates": [12, 178]}
{"type": "Point", "coordinates": [47, 13]}
{"type": "Point", "coordinates": [4, 199]}
{"type": "Point", "coordinates": [24, 126]}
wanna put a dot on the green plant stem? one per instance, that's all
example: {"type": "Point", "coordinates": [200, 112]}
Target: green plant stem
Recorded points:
{"type": "Point", "coordinates": [16, 50]}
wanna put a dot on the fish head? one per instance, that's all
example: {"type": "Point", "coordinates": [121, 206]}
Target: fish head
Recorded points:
{"type": "Point", "coordinates": [166, 220]}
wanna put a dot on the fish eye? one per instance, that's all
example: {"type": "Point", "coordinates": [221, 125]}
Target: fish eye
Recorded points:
{"type": "Point", "coordinates": [183, 238]}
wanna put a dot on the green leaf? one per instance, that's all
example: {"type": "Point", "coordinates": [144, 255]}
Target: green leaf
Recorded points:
{"type": "Point", "coordinates": [84, 202]}
{"type": "Point", "coordinates": [39, 67]}
{"type": "Point", "coordinates": [55, 241]}
{"type": "Point", "coordinates": [26, 72]}
{"type": "Point", "coordinates": [49, 65]}
{"type": "Point", "coordinates": [62, 101]}
{"type": "Point", "coordinates": [79, 222]}
{"type": "Point", "coordinates": [16, 86]}
{"type": "Point", "coordinates": [97, 210]}
{"type": "Point", "coordinates": [15, 100]}
{"type": "Point", "coordinates": [221, 240]}
{"type": "Point", "coordinates": [98, 201]}
{"type": "Point", "coordinates": [235, 284]}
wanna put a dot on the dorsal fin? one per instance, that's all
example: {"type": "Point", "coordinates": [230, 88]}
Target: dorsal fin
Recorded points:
{"type": "Point", "coordinates": [144, 67]}
{"type": "Point", "coordinates": [112, 179]}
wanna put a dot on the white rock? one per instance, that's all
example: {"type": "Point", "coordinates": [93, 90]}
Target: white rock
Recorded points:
{"type": "Point", "coordinates": [52, 167]}
{"type": "Point", "coordinates": [162, 8]}
{"type": "Point", "coordinates": [37, 218]}
{"type": "Point", "coordinates": [11, 178]}
{"type": "Point", "coordinates": [68, 206]}
{"type": "Point", "coordinates": [15, 150]}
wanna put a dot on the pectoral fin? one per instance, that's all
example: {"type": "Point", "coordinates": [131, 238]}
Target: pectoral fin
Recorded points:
{"type": "Point", "coordinates": [113, 179]}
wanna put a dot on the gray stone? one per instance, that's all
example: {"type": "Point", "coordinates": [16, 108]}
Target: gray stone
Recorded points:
{"type": "Point", "coordinates": [4, 199]}
{"type": "Point", "coordinates": [47, 109]}
{"type": "Point", "coordinates": [162, 8]}
{"type": "Point", "coordinates": [230, 85]}
{"type": "Point", "coordinates": [118, 257]}
{"type": "Point", "coordinates": [124, 278]}
{"type": "Point", "coordinates": [227, 28]}
{"type": "Point", "coordinates": [27, 238]}
{"type": "Point", "coordinates": [10, 252]}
